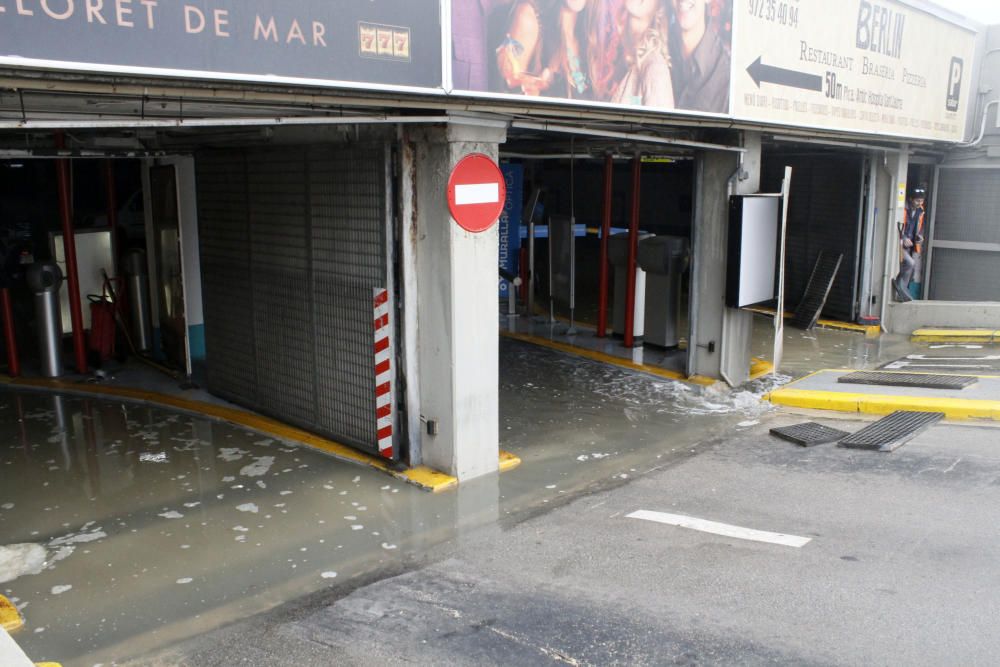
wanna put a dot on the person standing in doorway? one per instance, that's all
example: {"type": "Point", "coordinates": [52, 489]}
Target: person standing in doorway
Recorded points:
{"type": "Point", "coordinates": [701, 72]}
{"type": "Point", "coordinates": [911, 241]}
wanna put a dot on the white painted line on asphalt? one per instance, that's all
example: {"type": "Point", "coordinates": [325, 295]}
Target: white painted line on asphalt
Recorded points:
{"type": "Point", "coordinates": [477, 193]}
{"type": "Point", "coordinates": [721, 528]}
{"type": "Point", "coordinates": [924, 357]}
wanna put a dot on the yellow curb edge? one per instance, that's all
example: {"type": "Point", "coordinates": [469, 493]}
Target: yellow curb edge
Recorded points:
{"type": "Point", "coordinates": [881, 404]}
{"type": "Point", "coordinates": [601, 357]}
{"type": "Point", "coordinates": [10, 618]}
{"type": "Point", "coordinates": [421, 476]}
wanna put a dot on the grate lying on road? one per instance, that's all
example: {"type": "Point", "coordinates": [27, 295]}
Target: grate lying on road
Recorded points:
{"type": "Point", "coordinates": [922, 380]}
{"type": "Point", "coordinates": [808, 434]}
{"type": "Point", "coordinates": [891, 431]}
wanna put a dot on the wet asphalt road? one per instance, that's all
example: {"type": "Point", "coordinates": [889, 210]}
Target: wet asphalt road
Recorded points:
{"type": "Point", "coordinates": [900, 569]}
{"type": "Point", "coordinates": [126, 528]}
{"type": "Point", "coordinates": [138, 529]}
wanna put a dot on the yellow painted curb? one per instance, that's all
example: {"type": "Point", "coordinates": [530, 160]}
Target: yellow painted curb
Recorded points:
{"type": "Point", "coordinates": [10, 617]}
{"type": "Point", "coordinates": [928, 335]}
{"type": "Point", "coordinates": [880, 404]}
{"type": "Point", "coordinates": [422, 476]}
{"type": "Point", "coordinates": [427, 478]}
{"type": "Point", "coordinates": [48, 664]}
{"type": "Point", "coordinates": [594, 355]}
{"type": "Point", "coordinates": [508, 461]}
{"type": "Point", "coordinates": [760, 368]}
{"type": "Point", "coordinates": [870, 330]}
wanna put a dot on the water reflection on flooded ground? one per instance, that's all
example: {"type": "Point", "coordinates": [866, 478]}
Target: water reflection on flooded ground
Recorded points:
{"type": "Point", "coordinates": [808, 351]}
{"type": "Point", "coordinates": [126, 527]}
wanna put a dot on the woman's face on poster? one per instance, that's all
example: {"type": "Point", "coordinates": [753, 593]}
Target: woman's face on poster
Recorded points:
{"type": "Point", "coordinates": [690, 13]}
{"type": "Point", "coordinates": [575, 6]}
{"type": "Point", "coordinates": [641, 8]}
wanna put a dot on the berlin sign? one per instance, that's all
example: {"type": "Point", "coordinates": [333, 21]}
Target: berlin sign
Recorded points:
{"type": "Point", "coordinates": [476, 192]}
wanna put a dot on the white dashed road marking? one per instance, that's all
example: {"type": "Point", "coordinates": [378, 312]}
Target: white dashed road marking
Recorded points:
{"type": "Point", "coordinates": [721, 528]}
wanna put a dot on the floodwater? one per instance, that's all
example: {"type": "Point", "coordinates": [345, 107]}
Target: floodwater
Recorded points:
{"type": "Point", "coordinates": [808, 351]}
{"type": "Point", "coordinates": [125, 528]}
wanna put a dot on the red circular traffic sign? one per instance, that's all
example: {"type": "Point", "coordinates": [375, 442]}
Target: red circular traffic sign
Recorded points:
{"type": "Point", "coordinates": [476, 192]}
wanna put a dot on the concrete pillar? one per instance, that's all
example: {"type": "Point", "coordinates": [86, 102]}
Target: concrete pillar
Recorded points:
{"type": "Point", "coordinates": [897, 166]}
{"type": "Point", "coordinates": [720, 337]}
{"type": "Point", "coordinates": [450, 298]}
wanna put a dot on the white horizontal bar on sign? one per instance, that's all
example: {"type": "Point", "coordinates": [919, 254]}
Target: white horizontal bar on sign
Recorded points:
{"type": "Point", "coordinates": [477, 193]}
{"type": "Point", "coordinates": [721, 528]}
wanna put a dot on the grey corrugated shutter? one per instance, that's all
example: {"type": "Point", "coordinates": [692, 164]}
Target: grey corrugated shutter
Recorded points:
{"type": "Point", "coordinates": [294, 245]}
{"type": "Point", "coordinates": [965, 250]}
{"type": "Point", "coordinates": [224, 237]}
{"type": "Point", "coordinates": [823, 214]}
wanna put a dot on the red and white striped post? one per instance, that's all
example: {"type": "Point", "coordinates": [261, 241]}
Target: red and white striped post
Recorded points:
{"type": "Point", "coordinates": [383, 374]}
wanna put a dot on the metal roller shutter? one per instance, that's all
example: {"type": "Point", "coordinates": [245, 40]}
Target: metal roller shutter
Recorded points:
{"type": "Point", "coordinates": [823, 214]}
{"type": "Point", "coordinates": [294, 245]}
{"type": "Point", "coordinates": [965, 251]}
{"type": "Point", "coordinates": [224, 237]}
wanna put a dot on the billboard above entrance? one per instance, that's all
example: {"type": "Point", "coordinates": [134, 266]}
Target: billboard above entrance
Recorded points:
{"type": "Point", "coordinates": [371, 42]}
{"type": "Point", "coordinates": [656, 54]}
{"type": "Point", "coordinates": [857, 66]}
{"type": "Point", "coordinates": [878, 67]}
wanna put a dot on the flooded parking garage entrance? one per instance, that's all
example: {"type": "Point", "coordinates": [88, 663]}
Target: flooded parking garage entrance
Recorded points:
{"type": "Point", "coordinates": [128, 527]}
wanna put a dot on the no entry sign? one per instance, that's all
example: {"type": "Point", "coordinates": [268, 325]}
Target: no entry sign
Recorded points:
{"type": "Point", "coordinates": [476, 192]}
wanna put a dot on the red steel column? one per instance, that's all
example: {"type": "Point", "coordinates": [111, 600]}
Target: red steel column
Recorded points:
{"type": "Point", "coordinates": [13, 363]}
{"type": "Point", "coordinates": [602, 280]}
{"type": "Point", "coordinates": [633, 252]}
{"type": "Point", "coordinates": [69, 250]}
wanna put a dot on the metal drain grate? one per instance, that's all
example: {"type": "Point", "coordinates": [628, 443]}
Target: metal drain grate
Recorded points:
{"type": "Point", "coordinates": [921, 380]}
{"type": "Point", "coordinates": [808, 434]}
{"type": "Point", "coordinates": [891, 431]}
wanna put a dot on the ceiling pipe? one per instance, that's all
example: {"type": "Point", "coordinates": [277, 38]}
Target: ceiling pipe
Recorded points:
{"type": "Point", "coordinates": [626, 136]}
{"type": "Point", "coordinates": [174, 123]}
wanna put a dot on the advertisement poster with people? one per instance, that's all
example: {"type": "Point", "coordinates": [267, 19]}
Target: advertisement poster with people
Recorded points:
{"type": "Point", "coordinates": [655, 54]}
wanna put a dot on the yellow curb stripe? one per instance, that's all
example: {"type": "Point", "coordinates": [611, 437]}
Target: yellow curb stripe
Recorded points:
{"type": "Point", "coordinates": [955, 332]}
{"type": "Point", "coordinates": [867, 329]}
{"type": "Point", "coordinates": [601, 357]}
{"type": "Point", "coordinates": [928, 335]}
{"type": "Point", "coordinates": [760, 368]}
{"type": "Point", "coordinates": [421, 476]}
{"type": "Point", "coordinates": [508, 461]}
{"type": "Point", "coordinates": [950, 339]}
{"type": "Point", "coordinates": [10, 617]}
{"type": "Point", "coordinates": [816, 400]}
{"type": "Point", "coordinates": [428, 478]}
{"type": "Point", "coordinates": [879, 404]}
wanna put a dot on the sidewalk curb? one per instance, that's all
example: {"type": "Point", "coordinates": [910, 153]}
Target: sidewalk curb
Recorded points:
{"type": "Point", "coordinates": [880, 404]}
{"type": "Point", "coordinates": [929, 335]}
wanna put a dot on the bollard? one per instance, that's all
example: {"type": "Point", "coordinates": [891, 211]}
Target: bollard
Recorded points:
{"type": "Point", "coordinates": [44, 279]}
{"type": "Point", "coordinates": [138, 298]}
